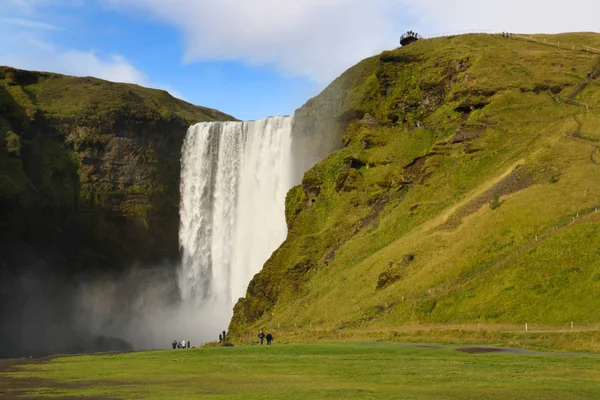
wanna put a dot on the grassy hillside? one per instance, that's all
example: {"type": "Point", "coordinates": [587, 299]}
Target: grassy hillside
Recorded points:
{"type": "Point", "coordinates": [466, 191]}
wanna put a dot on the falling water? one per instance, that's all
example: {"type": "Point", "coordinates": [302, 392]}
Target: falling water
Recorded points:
{"type": "Point", "coordinates": [234, 179]}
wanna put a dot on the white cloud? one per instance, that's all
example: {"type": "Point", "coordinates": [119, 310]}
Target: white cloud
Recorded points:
{"type": "Point", "coordinates": [28, 23]}
{"type": "Point", "coordinates": [31, 7]}
{"type": "Point", "coordinates": [27, 41]}
{"type": "Point", "coordinates": [525, 16]}
{"type": "Point", "coordinates": [27, 51]}
{"type": "Point", "coordinates": [321, 38]}
{"type": "Point", "coordinates": [313, 38]}
{"type": "Point", "coordinates": [36, 54]}
{"type": "Point", "coordinates": [21, 46]}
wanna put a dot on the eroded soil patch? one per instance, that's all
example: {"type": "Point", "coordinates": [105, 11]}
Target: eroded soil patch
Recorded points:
{"type": "Point", "coordinates": [520, 179]}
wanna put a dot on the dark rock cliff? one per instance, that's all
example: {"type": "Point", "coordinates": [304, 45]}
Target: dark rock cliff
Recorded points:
{"type": "Point", "coordinates": [89, 178]}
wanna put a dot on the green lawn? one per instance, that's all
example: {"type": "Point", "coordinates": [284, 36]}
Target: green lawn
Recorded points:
{"type": "Point", "coordinates": [312, 371]}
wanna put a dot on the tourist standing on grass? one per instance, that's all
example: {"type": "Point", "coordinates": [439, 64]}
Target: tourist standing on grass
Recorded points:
{"type": "Point", "coordinates": [220, 337]}
{"type": "Point", "coordinates": [224, 336]}
{"type": "Point", "coordinates": [269, 338]}
{"type": "Point", "coordinates": [189, 344]}
{"type": "Point", "coordinates": [261, 336]}
{"type": "Point", "coordinates": [178, 345]}
{"type": "Point", "coordinates": [174, 344]}
{"type": "Point", "coordinates": [183, 344]}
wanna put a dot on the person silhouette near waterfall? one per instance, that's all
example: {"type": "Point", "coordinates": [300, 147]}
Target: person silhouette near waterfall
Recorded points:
{"type": "Point", "coordinates": [261, 337]}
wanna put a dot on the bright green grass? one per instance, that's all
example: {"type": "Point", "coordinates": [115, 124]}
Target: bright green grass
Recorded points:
{"type": "Point", "coordinates": [319, 371]}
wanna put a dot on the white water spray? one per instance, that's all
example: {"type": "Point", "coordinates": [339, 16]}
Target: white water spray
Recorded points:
{"type": "Point", "coordinates": [234, 179]}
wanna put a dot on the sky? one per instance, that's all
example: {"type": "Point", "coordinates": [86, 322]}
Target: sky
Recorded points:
{"type": "Point", "coordinates": [248, 58]}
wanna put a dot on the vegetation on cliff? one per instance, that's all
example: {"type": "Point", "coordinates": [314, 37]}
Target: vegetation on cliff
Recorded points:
{"type": "Point", "coordinates": [89, 170]}
{"type": "Point", "coordinates": [466, 190]}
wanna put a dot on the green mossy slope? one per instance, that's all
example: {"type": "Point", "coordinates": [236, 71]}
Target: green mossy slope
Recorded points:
{"type": "Point", "coordinates": [466, 190]}
{"type": "Point", "coordinates": [89, 170]}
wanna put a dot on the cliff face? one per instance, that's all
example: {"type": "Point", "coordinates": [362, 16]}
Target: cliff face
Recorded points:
{"type": "Point", "coordinates": [91, 167]}
{"type": "Point", "coordinates": [464, 190]}
{"type": "Point", "coordinates": [89, 181]}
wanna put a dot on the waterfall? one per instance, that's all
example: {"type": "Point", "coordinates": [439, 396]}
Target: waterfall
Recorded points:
{"type": "Point", "coordinates": [234, 179]}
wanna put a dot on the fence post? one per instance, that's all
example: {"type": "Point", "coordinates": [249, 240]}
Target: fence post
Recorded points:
{"type": "Point", "coordinates": [526, 329]}
{"type": "Point", "coordinates": [571, 325]}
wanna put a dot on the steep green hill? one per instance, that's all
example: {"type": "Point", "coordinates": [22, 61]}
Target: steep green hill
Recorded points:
{"type": "Point", "coordinates": [466, 191]}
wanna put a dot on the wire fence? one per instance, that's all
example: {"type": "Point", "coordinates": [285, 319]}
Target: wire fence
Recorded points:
{"type": "Point", "coordinates": [591, 49]}
{"type": "Point", "coordinates": [566, 100]}
{"type": "Point", "coordinates": [456, 33]}
{"type": "Point", "coordinates": [332, 332]}
{"type": "Point", "coordinates": [559, 45]}
{"type": "Point", "coordinates": [546, 42]}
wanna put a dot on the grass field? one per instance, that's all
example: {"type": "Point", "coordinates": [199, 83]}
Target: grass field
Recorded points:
{"type": "Point", "coordinates": [308, 371]}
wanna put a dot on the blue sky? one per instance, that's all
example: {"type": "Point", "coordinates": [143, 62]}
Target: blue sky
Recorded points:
{"type": "Point", "coordinates": [248, 58]}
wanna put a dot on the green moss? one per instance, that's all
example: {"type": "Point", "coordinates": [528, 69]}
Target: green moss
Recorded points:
{"type": "Point", "coordinates": [13, 143]}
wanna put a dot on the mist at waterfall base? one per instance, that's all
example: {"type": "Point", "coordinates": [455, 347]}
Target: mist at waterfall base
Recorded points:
{"type": "Point", "coordinates": [234, 179]}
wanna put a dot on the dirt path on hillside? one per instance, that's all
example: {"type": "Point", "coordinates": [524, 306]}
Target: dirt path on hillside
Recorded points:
{"type": "Point", "coordinates": [478, 191]}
